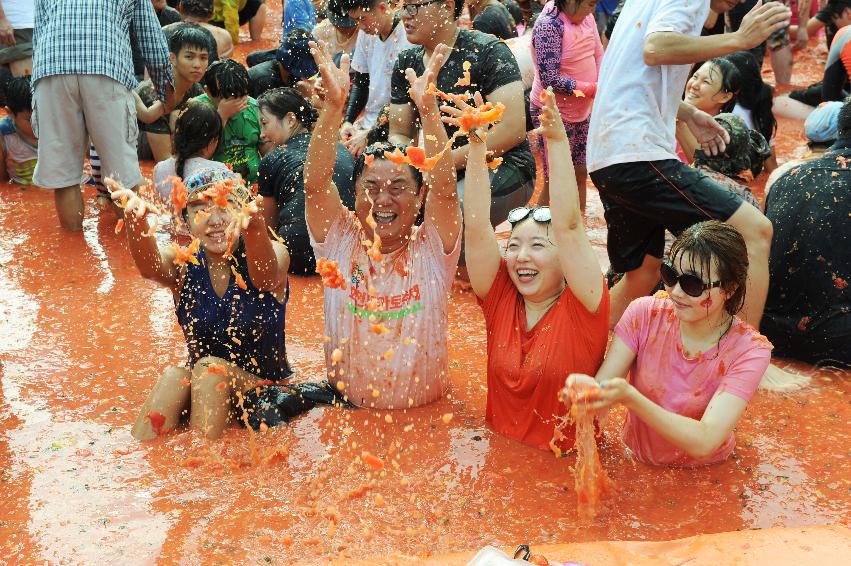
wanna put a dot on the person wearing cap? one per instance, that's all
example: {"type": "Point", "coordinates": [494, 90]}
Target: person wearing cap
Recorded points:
{"type": "Point", "coordinates": [380, 40]}
{"type": "Point", "coordinates": [230, 299]}
{"type": "Point", "coordinates": [337, 31]}
{"type": "Point", "coordinates": [292, 63]}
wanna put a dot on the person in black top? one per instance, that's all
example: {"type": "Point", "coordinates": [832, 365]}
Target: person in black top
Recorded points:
{"type": "Point", "coordinates": [491, 16]}
{"type": "Point", "coordinates": [292, 63]}
{"type": "Point", "coordinates": [286, 120]}
{"type": "Point", "coordinates": [808, 310]}
{"type": "Point", "coordinates": [493, 72]}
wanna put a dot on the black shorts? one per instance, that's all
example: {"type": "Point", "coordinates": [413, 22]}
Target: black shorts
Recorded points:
{"type": "Point", "coordinates": [645, 198]}
{"type": "Point", "coordinates": [249, 11]}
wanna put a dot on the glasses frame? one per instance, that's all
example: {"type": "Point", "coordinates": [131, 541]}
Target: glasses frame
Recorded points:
{"type": "Point", "coordinates": [539, 214]}
{"type": "Point", "coordinates": [413, 9]}
{"type": "Point", "coordinates": [688, 283]}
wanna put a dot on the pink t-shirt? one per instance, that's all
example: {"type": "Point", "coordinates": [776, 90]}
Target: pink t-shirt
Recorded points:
{"type": "Point", "coordinates": [661, 372]}
{"type": "Point", "coordinates": [581, 57]}
{"type": "Point", "coordinates": [411, 295]}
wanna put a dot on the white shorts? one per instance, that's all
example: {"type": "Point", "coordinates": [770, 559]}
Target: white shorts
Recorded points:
{"type": "Point", "coordinates": [68, 111]}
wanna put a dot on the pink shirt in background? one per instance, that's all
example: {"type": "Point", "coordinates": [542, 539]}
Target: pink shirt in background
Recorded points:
{"type": "Point", "coordinates": [578, 65]}
{"type": "Point", "coordinates": [661, 372]}
{"type": "Point", "coordinates": [412, 295]}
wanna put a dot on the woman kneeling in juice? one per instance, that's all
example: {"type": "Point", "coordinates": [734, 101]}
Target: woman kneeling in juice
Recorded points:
{"type": "Point", "coordinates": [693, 365]}
{"type": "Point", "coordinates": [230, 291]}
{"type": "Point", "coordinates": [545, 303]}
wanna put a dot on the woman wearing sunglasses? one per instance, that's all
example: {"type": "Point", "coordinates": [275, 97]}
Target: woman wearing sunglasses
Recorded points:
{"type": "Point", "coordinates": [545, 302]}
{"type": "Point", "coordinates": [693, 364]}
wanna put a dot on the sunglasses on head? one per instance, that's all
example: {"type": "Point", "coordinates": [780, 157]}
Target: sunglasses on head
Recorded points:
{"type": "Point", "coordinates": [692, 285]}
{"type": "Point", "coordinates": [539, 214]}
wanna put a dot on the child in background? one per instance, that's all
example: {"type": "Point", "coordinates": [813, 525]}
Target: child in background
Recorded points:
{"type": "Point", "coordinates": [196, 136]}
{"type": "Point", "coordinates": [227, 86]}
{"type": "Point", "coordinates": [568, 54]}
{"type": "Point", "coordinates": [18, 143]}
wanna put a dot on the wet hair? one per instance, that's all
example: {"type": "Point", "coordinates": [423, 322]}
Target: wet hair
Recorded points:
{"type": "Point", "coordinates": [19, 95]}
{"type": "Point", "coordinates": [285, 100]}
{"type": "Point", "coordinates": [377, 150]}
{"type": "Point", "coordinates": [844, 119]}
{"type": "Point", "coordinates": [197, 8]}
{"type": "Point", "coordinates": [754, 94]}
{"type": "Point", "coordinates": [719, 242]}
{"type": "Point", "coordinates": [731, 80]}
{"type": "Point", "coordinates": [227, 78]}
{"type": "Point", "coordinates": [189, 35]}
{"type": "Point", "coordinates": [196, 126]}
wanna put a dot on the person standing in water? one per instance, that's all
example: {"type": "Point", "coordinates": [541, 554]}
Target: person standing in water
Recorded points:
{"type": "Point", "coordinates": [645, 189]}
{"type": "Point", "coordinates": [231, 308]}
{"type": "Point", "coordinates": [82, 76]}
{"type": "Point", "coordinates": [388, 325]}
{"type": "Point", "coordinates": [682, 362]}
{"type": "Point", "coordinates": [546, 304]}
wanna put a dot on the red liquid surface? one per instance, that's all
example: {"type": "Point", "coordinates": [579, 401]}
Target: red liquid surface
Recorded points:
{"type": "Point", "coordinates": [83, 338]}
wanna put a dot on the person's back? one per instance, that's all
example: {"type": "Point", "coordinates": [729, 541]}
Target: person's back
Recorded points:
{"type": "Point", "coordinates": [808, 309]}
{"type": "Point", "coordinates": [639, 102]}
{"type": "Point", "coordinates": [82, 77]}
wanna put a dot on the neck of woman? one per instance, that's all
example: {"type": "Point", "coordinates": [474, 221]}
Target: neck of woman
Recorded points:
{"type": "Point", "coordinates": [707, 329]}
{"type": "Point", "coordinates": [543, 304]}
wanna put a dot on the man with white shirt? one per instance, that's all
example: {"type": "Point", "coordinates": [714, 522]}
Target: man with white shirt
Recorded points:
{"type": "Point", "coordinates": [632, 158]}
{"type": "Point", "coordinates": [380, 39]}
{"type": "Point", "coordinates": [16, 35]}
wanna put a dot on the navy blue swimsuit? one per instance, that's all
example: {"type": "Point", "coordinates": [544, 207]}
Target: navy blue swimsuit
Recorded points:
{"type": "Point", "coordinates": [244, 327]}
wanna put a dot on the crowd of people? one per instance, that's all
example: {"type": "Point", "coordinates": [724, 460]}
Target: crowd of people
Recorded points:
{"type": "Point", "coordinates": [661, 103]}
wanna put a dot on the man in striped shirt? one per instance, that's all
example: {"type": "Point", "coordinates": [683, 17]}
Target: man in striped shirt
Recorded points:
{"type": "Point", "coordinates": [82, 77]}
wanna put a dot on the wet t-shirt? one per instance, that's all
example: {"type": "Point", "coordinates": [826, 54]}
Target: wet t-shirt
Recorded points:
{"type": "Point", "coordinates": [527, 368]}
{"type": "Point", "coordinates": [662, 373]}
{"type": "Point", "coordinates": [492, 66]}
{"type": "Point", "coordinates": [406, 362]}
{"type": "Point", "coordinates": [239, 144]}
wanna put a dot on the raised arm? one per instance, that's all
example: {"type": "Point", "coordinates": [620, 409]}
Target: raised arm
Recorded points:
{"type": "Point", "coordinates": [441, 205]}
{"type": "Point", "coordinates": [480, 243]}
{"type": "Point", "coordinates": [268, 261]}
{"type": "Point", "coordinates": [321, 197]}
{"type": "Point", "coordinates": [578, 260]}
{"type": "Point", "coordinates": [153, 263]}
{"type": "Point", "coordinates": [672, 48]}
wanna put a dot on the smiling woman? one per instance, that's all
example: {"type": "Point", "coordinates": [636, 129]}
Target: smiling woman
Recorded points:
{"type": "Point", "coordinates": [537, 298]}
{"type": "Point", "coordinates": [692, 365]}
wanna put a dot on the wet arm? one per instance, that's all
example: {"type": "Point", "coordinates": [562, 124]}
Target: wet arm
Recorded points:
{"type": "Point", "coordinates": [268, 261]}
{"type": "Point", "coordinates": [480, 243]}
{"type": "Point", "coordinates": [578, 260]}
{"type": "Point", "coordinates": [672, 48]}
{"type": "Point", "coordinates": [153, 263]}
{"type": "Point", "coordinates": [442, 197]}
{"type": "Point", "coordinates": [322, 199]}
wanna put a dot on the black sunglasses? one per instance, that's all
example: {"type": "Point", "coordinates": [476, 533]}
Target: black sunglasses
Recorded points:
{"type": "Point", "coordinates": [692, 285]}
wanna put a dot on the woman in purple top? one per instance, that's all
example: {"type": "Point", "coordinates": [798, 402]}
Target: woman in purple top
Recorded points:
{"type": "Point", "coordinates": [567, 56]}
